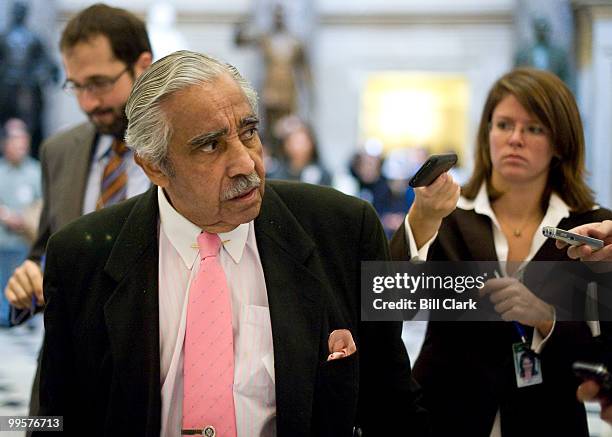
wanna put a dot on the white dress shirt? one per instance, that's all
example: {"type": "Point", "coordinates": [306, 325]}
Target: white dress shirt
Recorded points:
{"type": "Point", "coordinates": [137, 182]}
{"type": "Point", "coordinates": [557, 210]}
{"type": "Point", "coordinates": [254, 395]}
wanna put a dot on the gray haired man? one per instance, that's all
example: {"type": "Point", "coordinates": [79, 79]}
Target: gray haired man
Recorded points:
{"type": "Point", "coordinates": [130, 346]}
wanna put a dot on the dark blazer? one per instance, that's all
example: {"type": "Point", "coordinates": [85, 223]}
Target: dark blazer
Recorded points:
{"type": "Point", "coordinates": [65, 160]}
{"type": "Point", "coordinates": [101, 364]}
{"type": "Point", "coordinates": [466, 368]}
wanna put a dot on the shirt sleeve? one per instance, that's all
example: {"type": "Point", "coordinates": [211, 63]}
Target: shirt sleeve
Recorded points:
{"type": "Point", "coordinates": [421, 254]}
{"type": "Point", "coordinates": [538, 342]}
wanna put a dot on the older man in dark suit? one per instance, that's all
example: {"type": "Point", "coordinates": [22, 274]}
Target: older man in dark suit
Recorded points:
{"type": "Point", "coordinates": [210, 306]}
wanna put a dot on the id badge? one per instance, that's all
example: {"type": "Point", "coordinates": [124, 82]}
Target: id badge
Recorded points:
{"type": "Point", "coordinates": [527, 368]}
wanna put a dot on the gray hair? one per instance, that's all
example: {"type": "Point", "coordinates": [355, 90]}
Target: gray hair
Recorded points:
{"type": "Point", "coordinates": [149, 130]}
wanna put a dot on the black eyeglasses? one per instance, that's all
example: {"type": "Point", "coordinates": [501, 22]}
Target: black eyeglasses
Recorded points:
{"type": "Point", "coordinates": [97, 86]}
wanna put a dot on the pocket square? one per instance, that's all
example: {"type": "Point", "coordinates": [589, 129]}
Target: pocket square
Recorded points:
{"type": "Point", "coordinates": [341, 344]}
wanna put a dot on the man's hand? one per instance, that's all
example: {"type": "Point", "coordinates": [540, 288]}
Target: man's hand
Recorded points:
{"type": "Point", "coordinates": [25, 282]}
{"type": "Point", "coordinates": [431, 205]}
{"type": "Point", "coordinates": [589, 391]}
{"type": "Point", "coordinates": [602, 231]}
{"type": "Point", "coordinates": [514, 301]}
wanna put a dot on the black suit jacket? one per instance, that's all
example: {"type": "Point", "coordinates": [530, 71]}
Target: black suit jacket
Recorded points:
{"type": "Point", "coordinates": [466, 368]}
{"type": "Point", "coordinates": [101, 363]}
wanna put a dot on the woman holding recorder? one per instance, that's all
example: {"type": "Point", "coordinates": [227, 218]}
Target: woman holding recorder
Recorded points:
{"type": "Point", "coordinates": [528, 173]}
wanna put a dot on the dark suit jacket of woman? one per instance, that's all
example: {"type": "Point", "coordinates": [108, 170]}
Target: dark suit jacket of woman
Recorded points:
{"type": "Point", "coordinates": [466, 368]}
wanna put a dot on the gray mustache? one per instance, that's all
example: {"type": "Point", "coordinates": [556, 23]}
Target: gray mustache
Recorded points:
{"type": "Point", "coordinates": [241, 185]}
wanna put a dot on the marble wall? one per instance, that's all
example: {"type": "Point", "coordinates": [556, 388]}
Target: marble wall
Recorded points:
{"type": "Point", "coordinates": [350, 47]}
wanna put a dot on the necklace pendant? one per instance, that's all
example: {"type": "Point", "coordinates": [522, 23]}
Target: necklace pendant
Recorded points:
{"type": "Point", "coordinates": [517, 233]}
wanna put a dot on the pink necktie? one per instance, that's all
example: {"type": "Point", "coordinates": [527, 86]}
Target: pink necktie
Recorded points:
{"type": "Point", "coordinates": [208, 400]}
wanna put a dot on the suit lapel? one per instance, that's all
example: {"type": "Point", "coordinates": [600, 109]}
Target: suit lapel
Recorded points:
{"type": "Point", "coordinates": [477, 233]}
{"type": "Point", "coordinates": [132, 312]}
{"type": "Point", "coordinates": [78, 167]}
{"type": "Point", "coordinates": [296, 311]}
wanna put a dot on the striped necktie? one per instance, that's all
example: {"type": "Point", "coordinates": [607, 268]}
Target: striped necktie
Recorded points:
{"type": "Point", "coordinates": [114, 178]}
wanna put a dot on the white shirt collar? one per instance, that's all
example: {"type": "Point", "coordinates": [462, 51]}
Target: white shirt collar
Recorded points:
{"type": "Point", "coordinates": [183, 234]}
{"type": "Point", "coordinates": [556, 211]}
{"type": "Point", "coordinates": [103, 146]}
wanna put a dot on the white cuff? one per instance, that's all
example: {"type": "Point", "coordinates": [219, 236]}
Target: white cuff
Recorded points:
{"type": "Point", "coordinates": [538, 343]}
{"type": "Point", "coordinates": [416, 254]}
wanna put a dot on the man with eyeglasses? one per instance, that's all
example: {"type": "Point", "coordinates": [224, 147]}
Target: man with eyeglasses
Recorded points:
{"type": "Point", "coordinates": [88, 167]}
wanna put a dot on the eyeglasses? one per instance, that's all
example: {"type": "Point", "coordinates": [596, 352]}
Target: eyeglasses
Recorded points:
{"type": "Point", "coordinates": [97, 86]}
{"type": "Point", "coordinates": [507, 128]}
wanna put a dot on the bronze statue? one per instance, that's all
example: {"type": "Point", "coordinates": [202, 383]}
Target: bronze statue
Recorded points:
{"type": "Point", "coordinates": [543, 54]}
{"type": "Point", "coordinates": [285, 66]}
{"type": "Point", "coordinates": [25, 68]}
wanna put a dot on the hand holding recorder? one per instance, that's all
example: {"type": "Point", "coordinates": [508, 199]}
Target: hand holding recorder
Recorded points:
{"type": "Point", "coordinates": [597, 386]}
{"type": "Point", "coordinates": [585, 252]}
{"type": "Point", "coordinates": [432, 168]}
{"type": "Point", "coordinates": [436, 196]}
{"type": "Point", "coordinates": [572, 238]}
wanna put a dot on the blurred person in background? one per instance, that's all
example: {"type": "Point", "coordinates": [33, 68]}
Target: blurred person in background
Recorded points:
{"type": "Point", "coordinates": [104, 50]}
{"type": "Point", "coordinates": [20, 194]}
{"type": "Point", "coordinates": [529, 172]}
{"type": "Point", "coordinates": [365, 167]}
{"type": "Point", "coordinates": [87, 167]}
{"type": "Point", "coordinates": [299, 159]}
{"type": "Point", "coordinates": [393, 203]}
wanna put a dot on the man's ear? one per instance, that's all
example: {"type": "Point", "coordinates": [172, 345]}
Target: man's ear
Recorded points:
{"type": "Point", "coordinates": [142, 63]}
{"type": "Point", "coordinates": [154, 173]}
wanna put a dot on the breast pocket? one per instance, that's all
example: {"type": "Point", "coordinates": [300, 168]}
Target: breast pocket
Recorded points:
{"type": "Point", "coordinates": [254, 377]}
{"type": "Point", "coordinates": [337, 391]}
{"type": "Point", "coordinates": [340, 377]}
